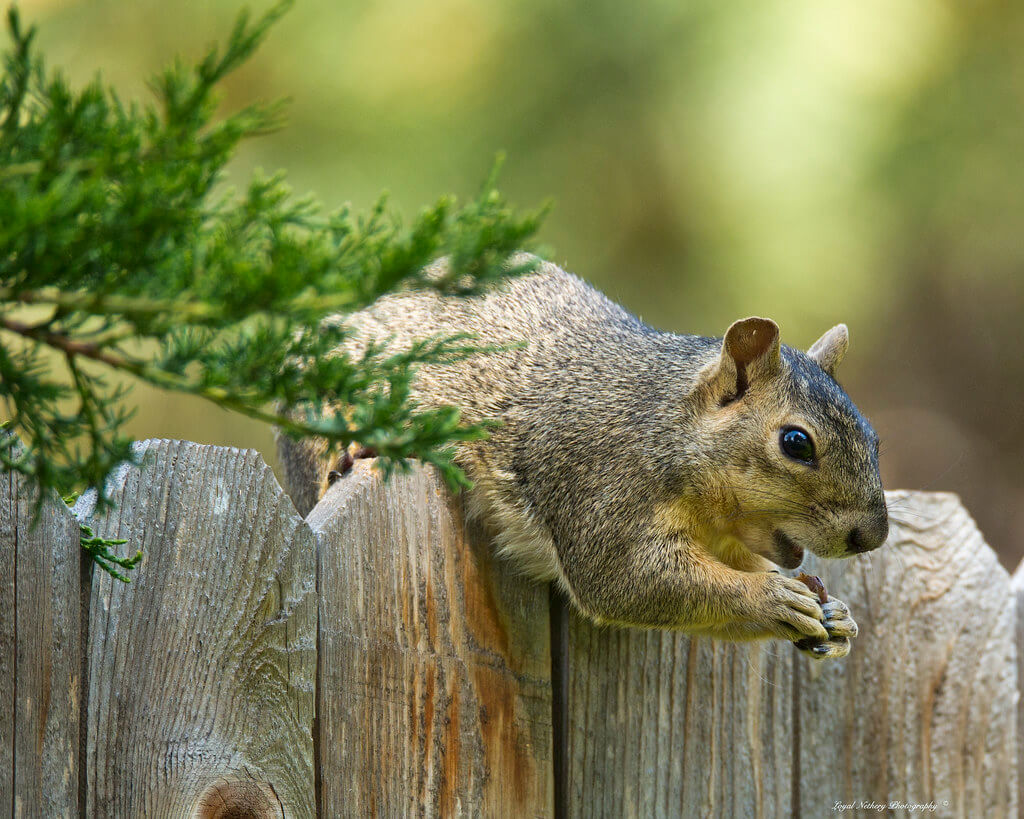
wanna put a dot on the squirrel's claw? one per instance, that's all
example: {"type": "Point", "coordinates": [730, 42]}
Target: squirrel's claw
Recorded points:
{"type": "Point", "coordinates": [841, 629]}
{"type": "Point", "coordinates": [831, 649]}
{"type": "Point", "coordinates": [838, 622]}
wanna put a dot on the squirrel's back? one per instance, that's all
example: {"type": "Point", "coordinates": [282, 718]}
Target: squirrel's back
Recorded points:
{"type": "Point", "coordinates": [568, 341]}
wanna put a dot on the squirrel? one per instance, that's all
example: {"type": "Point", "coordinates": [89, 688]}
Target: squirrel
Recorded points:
{"type": "Point", "coordinates": [657, 479]}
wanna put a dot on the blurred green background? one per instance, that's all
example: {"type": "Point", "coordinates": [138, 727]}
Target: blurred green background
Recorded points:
{"type": "Point", "coordinates": [814, 162]}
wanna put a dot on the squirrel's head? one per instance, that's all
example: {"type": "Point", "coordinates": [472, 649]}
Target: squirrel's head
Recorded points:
{"type": "Point", "coordinates": [791, 460]}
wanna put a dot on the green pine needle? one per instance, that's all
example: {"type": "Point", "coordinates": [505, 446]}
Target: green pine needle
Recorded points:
{"type": "Point", "coordinates": [114, 227]}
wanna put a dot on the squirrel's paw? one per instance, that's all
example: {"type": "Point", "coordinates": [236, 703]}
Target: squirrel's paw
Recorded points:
{"type": "Point", "coordinates": [790, 610]}
{"type": "Point", "coordinates": [838, 622]}
{"type": "Point", "coordinates": [841, 629]}
{"type": "Point", "coordinates": [344, 463]}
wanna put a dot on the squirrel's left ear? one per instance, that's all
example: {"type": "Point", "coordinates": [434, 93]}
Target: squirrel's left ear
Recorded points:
{"type": "Point", "coordinates": [750, 353]}
{"type": "Point", "coordinates": [829, 350]}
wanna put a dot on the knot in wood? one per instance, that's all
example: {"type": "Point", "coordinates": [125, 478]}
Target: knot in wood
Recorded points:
{"type": "Point", "coordinates": [239, 800]}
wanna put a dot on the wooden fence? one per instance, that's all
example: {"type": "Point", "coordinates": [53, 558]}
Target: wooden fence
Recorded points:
{"type": "Point", "coordinates": [376, 660]}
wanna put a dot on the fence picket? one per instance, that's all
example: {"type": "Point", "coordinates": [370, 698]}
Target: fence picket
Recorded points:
{"type": "Point", "coordinates": [435, 691]}
{"type": "Point", "coordinates": [202, 668]}
{"type": "Point", "coordinates": [40, 654]}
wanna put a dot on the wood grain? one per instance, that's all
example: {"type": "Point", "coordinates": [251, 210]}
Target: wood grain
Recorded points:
{"type": "Point", "coordinates": [201, 670]}
{"type": "Point", "coordinates": [1017, 585]}
{"type": "Point", "coordinates": [661, 724]}
{"type": "Point", "coordinates": [40, 654]}
{"type": "Point", "coordinates": [434, 687]}
{"type": "Point", "coordinates": [924, 708]}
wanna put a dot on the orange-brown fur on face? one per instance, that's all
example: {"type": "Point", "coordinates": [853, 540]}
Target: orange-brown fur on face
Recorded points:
{"type": "Point", "coordinates": [641, 470]}
{"type": "Point", "coordinates": [748, 490]}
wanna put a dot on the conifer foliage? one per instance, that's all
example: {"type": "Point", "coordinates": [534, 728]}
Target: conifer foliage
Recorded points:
{"type": "Point", "coordinates": [121, 251]}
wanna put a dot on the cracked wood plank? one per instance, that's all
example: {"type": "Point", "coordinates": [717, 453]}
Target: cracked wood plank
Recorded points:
{"type": "Point", "coordinates": [924, 708]}
{"type": "Point", "coordinates": [665, 725]}
{"type": "Point", "coordinates": [434, 687]}
{"type": "Point", "coordinates": [40, 654]}
{"type": "Point", "coordinates": [201, 670]}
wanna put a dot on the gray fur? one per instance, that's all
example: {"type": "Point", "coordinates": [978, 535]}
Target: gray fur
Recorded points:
{"type": "Point", "coordinates": [623, 471]}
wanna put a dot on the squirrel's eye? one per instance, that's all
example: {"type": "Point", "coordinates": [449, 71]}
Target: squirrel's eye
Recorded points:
{"type": "Point", "coordinates": [797, 444]}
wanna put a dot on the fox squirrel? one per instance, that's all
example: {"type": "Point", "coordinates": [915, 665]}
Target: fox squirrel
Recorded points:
{"type": "Point", "coordinates": [656, 478]}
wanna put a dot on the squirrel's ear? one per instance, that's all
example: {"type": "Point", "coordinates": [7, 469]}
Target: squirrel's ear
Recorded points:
{"type": "Point", "coordinates": [750, 352]}
{"type": "Point", "coordinates": [752, 341]}
{"type": "Point", "coordinates": [829, 350]}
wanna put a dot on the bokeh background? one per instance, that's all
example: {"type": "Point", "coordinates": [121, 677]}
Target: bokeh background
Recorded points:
{"type": "Point", "coordinates": [811, 161]}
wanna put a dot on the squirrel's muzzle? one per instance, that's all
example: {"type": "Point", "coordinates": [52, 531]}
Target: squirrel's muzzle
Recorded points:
{"type": "Point", "coordinates": [869, 535]}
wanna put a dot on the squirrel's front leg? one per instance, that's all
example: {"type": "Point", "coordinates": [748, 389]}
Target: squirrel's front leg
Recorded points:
{"type": "Point", "coordinates": [681, 586]}
{"type": "Point", "coordinates": [838, 623]}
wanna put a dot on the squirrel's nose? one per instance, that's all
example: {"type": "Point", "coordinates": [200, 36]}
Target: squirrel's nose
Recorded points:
{"type": "Point", "coordinates": [868, 537]}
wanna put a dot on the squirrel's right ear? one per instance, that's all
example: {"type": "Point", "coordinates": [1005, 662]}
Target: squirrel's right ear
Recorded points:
{"type": "Point", "coordinates": [750, 353]}
{"type": "Point", "coordinates": [829, 350]}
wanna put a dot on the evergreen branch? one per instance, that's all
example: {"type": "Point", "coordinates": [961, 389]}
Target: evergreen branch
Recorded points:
{"type": "Point", "coordinates": [99, 549]}
{"type": "Point", "coordinates": [190, 310]}
{"type": "Point", "coordinates": [112, 219]}
{"type": "Point", "coordinates": [244, 403]}
{"type": "Point", "coordinates": [108, 303]}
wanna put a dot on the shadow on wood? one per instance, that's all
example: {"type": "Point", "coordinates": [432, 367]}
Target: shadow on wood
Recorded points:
{"type": "Point", "coordinates": [921, 712]}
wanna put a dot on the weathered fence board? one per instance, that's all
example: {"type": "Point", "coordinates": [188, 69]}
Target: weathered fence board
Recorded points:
{"type": "Point", "coordinates": [201, 670]}
{"type": "Point", "coordinates": [430, 669]}
{"type": "Point", "coordinates": [665, 725]}
{"type": "Point", "coordinates": [434, 687]}
{"type": "Point", "coordinates": [922, 711]}
{"type": "Point", "coordinates": [40, 654]}
{"type": "Point", "coordinates": [924, 708]}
